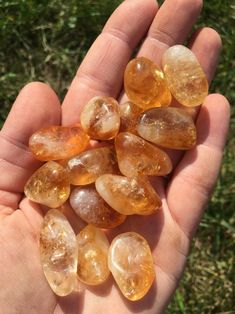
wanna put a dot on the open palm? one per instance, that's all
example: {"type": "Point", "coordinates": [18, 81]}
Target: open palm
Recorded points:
{"type": "Point", "coordinates": [23, 286]}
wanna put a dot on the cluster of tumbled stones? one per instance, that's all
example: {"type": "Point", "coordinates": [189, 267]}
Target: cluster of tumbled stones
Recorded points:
{"type": "Point", "coordinates": [106, 184]}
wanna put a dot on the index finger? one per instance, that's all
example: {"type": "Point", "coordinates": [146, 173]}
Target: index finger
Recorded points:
{"type": "Point", "coordinates": [101, 72]}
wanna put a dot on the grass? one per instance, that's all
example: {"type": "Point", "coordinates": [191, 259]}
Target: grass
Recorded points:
{"type": "Point", "coordinates": [46, 40]}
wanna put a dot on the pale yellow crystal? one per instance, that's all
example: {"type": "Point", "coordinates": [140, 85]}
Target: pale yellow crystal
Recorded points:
{"type": "Point", "coordinates": [59, 253]}
{"type": "Point", "coordinates": [185, 76]}
{"type": "Point", "coordinates": [131, 263]}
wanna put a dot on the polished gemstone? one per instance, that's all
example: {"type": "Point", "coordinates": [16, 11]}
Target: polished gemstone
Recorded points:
{"type": "Point", "coordinates": [145, 84]}
{"type": "Point", "coordinates": [129, 114]}
{"type": "Point", "coordinates": [185, 76]}
{"type": "Point", "coordinates": [89, 165]}
{"type": "Point", "coordinates": [59, 253]}
{"type": "Point", "coordinates": [100, 118]}
{"type": "Point", "coordinates": [93, 247]}
{"type": "Point", "coordinates": [168, 127]}
{"type": "Point", "coordinates": [49, 185]}
{"type": "Point", "coordinates": [128, 196]}
{"type": "Point", "coordinates": [131, 263]}
{"type": "Point", "coordinates": [138, 157]}
{"type": "Point", "coordinates": [90, 206]}
{"type": "Point", "coordinates": [58, 142]}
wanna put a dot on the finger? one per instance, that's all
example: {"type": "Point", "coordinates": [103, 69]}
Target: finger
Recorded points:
{"type": "Point", "coordinates": [101, 72]}
{"type": "Point", "coordinates": [171, 26]}
{"type": "Point", "coordinates": [35, 107]}
{"type": "Point", "coordinates": [206, 45]}
{"type": "Point", "coordinates": [195, 176]}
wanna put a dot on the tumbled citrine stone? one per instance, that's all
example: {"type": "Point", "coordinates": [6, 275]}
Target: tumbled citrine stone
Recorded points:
{"type": "Point", "coordinates": [131, 263]}
{"type": "Point", "coordinates": [49, 185]}
{"type": "Point", "coordinates": [145, 84]}
{"type": "Point", "coordinates": [89, 165]}
{"type": "Point", "coordinates": [129, 114]}
{"type": "Point", "coordinates": [100, 118]}
{"type": "Point", "coordinates": [185, 76]}
{"type": "Point", "coordinates": [128, 196]}
{"type": "Point", "coordinates": [59, 253]}
{"type": "Point", "coordinates": [138, 157]}
{"type": "Point", "coordinates": [93, 247]}
{"type": "Point", "coordinates": [90, 206]}
{"type": "Point", "coordinates": [58, 142]}
{"type": "Point", "coordinates": [168, 127]}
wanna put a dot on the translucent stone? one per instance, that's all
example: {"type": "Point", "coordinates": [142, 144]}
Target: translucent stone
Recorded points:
{"type": "Point", "coordinates": [129, 114]}
{"type": "Point", "coordinates": [145, 84]}
{"type": "Point", "coordinates": [49, 185]}
{"type": "Point", "coordinates": [100, 118]}
{"type": "Point", "coordinates": [168, 127]}
{"type": "Point", "coordinates": [59, 253]}
{"type": "Point", "coordinates": [89, 165]}
{"type": "Point", "coordinates": [185, 76]}
{"type": "Point", "coordinates": [58, 142]}
{"type": "Point", "coordinates": [138, 157]}
{"type": "Point", "coordinates": [131, 263]}
{"type": "Point", "coordinates": [90, 206]}
{"type": "Point", "coordinates": [93, 247]}
{"type": "Point", "coordinates": [128, 196]}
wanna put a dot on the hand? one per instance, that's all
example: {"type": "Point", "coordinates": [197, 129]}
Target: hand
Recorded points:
{"type": "Point", "coordinates": [169, 232]}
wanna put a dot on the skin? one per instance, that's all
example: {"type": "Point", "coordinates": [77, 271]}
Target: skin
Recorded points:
{"type": "Point", "coordinates": [184, 195]}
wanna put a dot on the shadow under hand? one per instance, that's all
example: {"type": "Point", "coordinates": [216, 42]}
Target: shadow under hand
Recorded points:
{"type": "Point", "coordinates": [73, 303]}
{"type": "Point", "coordinates": [75, 221]}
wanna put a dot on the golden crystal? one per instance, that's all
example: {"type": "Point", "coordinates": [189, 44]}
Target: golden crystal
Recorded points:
{"type": "Point", "coordinates": [59, 253]}
{"type": "Point", "coordinates": [185, 76]}
{"type": "Point", "coordinates": [131, 263]}
{"type": "Point", "coordinates": [93, 248]}
{"type": "Point", "coordinates": [128, 196]}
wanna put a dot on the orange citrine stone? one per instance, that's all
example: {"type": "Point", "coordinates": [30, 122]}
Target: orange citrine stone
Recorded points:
{"type": "Point", "coordinates": [131, 264]}
{"type": "Point", "coordinates": [59, 253]}
{"type": "Point", "coordinates": [100, 118]}
{"type": "Point", "coordinates": [93, 247]}
{"type": "Point", "coordinates": [89, 165]}
{"type": "Point", "coordinates": [138, 157]}
{"type": "Point", "coordinates": [168, 127]}
{"type": "Point", "coordinates": [129, 114]}
{"type": "Point", "coordinates": [49, 185]}
{"type": "Point", "coordinates": [145, 84]}
{"type": "Point", "coordinates": [185, 76]}
{"type": "Point", "coordinates": [58, 142]}
{"type": "Point", "coordinates": [90, 206]}
{"type": "Point", "coordinates": [128, 196]}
